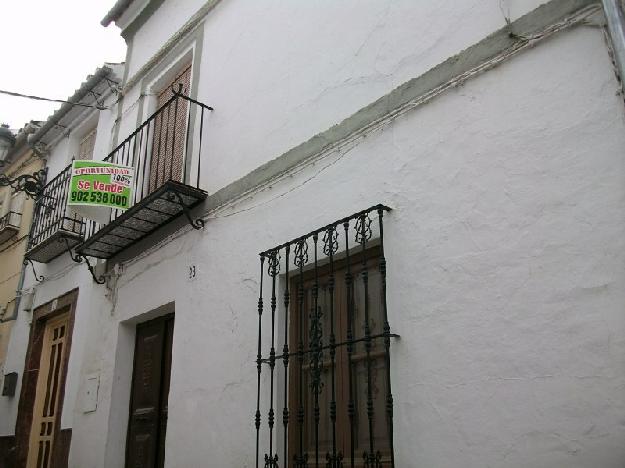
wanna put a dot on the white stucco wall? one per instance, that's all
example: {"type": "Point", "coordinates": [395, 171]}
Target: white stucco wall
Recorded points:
{"type": "Point", "coordinates": [505, 251]}
{"type": "Point", "coordinates": [275, 72]}
{"type": "Point", "coordinates": [505, 244]}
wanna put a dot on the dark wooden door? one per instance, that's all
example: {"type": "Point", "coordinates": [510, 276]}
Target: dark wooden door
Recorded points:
{"type": "Point", "coordinates": [145, 445]}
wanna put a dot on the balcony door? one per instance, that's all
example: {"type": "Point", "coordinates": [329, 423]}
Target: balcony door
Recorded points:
{"type": "Point", "coordinates": [170, 131]}
{"type": "Point", "coordinates": [147, 426]}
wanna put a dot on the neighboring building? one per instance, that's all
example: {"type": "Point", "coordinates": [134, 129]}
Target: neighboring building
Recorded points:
{"type": "Point", "coordinates": [436, 191]}
{"type": "Point", "coordinates": [16, 210]}
{"type": "Point", "coordinates": [68, 134]}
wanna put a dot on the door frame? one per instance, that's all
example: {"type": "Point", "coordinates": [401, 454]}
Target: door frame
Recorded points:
{"type": "Point", "coordinates": [41, 315]}
{"type": "Point", "coordinates": [164, 318]}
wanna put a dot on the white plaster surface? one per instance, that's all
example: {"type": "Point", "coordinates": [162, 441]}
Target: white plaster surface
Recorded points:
{"type": "Point", "coordinates": [505, 248]}
{"type": "Point", "coordinates": [506, 281]}
{"type": "Point", "coordinates": [304, 59]}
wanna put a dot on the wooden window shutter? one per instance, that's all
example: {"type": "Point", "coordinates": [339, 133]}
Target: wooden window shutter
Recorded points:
{"type": "Point", "coordinates": [87, 144]}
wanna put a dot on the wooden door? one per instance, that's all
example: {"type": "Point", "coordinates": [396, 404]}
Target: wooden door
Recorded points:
{"type": "Point", "coordinates": [170, 131]}
{"type": "Point", "coordinates": [145, 446]}
{"type": "Point", "coordinates": [46, 408]}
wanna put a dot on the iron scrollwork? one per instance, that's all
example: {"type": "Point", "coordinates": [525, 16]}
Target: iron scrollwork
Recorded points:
{"type": "Point", "coordinates": [334, 461]}
{"type": "Point", "coordinates": [300, 461]}
{"type": "Point", "coordinates": [372, 460]}
{"type": "Point", "coordinates": [301, 253]}
{"type": "Point", "coordinates": [316, 349]}
{"type": "Point", "coordinates": [176, 198]}
{"type": "Point", "coordinates": [330, 241]}
{"type": "Point", "coordinates": [31, 184]}
{"type": "Point", "coordinates": [78, 258]}
{"type": "Point", "coordinates": [273, 263]}
{"type": "Point", "coordinates": [38, 278]}
{"type": "Point", "coordinates": [363, 228]}
{"type": "Point", "coordinates": [97, 279]}
{"type": "Point", "coordinates": [310, 315]}
{"type": "Point", "coordinates": [271, 462]}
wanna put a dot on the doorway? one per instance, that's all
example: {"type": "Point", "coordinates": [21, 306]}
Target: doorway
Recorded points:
{"type": "Point", "coordinates": [46, 409]}
{"type": "Point", "coordinates": [147, 426]}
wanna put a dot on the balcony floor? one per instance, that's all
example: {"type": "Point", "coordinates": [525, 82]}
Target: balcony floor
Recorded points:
{"type": "Point", "coordinates": [142, 219]}
{"type": "Point", "coordinates": [54, 246]}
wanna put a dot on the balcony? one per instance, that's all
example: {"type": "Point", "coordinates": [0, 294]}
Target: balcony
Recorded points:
{"type": "Point", "coordinates": [55, 228]}
{"type": "Point", "coordinates": [9, 225]}
{"type": "Point", "coordinates": [165, 152]}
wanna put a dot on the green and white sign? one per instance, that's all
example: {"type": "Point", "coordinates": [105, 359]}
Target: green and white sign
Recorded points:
{"type": "Point", "coordinates": [98, 186]}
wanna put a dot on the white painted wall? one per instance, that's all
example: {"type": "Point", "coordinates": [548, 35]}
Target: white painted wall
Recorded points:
{"type": "Point", "coordinates": [505, 251]}
{"type": "Point", "coordinates": [275, 71]}
{"type": "Point", "coordinates": [505, 246]}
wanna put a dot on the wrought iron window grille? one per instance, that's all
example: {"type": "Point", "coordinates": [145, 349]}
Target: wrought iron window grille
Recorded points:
{"type": "Point", "coordinates": [347, 241]}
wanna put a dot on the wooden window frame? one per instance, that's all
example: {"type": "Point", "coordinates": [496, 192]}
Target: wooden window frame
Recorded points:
{"type": "Point", "coordinates": [372, 256]}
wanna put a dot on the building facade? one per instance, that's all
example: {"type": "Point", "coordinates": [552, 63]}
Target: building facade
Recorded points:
{"type": "Point", "coordinates": [16, 210]}
{"type": "Point", "coordinates": [435, 193]}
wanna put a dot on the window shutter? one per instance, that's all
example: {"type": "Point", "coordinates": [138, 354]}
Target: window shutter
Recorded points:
{"type": "Point", "coordinates": [16, 207]}
{"type": "Point", "coordinates": [85, 149]}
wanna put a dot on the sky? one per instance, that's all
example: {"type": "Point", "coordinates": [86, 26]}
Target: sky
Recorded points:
{"type": "Point", "coordinates": [48, 49]}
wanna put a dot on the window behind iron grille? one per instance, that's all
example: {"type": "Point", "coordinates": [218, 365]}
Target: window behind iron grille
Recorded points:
{"type": "Point", "coordinates": [359, 359]}
{"type": "Point", "coordinates": [344, 262]}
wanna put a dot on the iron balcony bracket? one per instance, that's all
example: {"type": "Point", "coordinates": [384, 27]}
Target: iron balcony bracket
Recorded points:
{"type": "Point", "coordinates": [38, 278]}
{"type": "Point", "coordinates": [97, 279]}
{"type": "Point", "coordinates": [79, 258]}
{"type": "Point", "coordinates": [175, 197]}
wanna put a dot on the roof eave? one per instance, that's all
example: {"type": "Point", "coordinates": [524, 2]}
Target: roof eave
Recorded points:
{"type": "Point", "coordinates": [116, 12]}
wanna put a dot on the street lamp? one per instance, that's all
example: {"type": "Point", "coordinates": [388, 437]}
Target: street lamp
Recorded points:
{"type": "Point", "coordinates": [31, 184]}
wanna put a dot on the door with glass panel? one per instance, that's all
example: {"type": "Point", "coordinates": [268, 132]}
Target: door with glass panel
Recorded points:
{"type": "Point", "coordinates": [47, 395]}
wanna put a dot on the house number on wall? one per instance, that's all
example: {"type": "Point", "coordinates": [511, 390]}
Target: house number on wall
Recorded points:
{"type": "Point", "coordinates": [192, 272]}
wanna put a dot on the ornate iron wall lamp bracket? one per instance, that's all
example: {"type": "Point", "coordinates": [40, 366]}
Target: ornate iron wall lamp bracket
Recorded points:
{"type": "Point", "coordinates": [38, 278]}
{"type": "Point", "coordinates": [176, 198]}
{"type": "Point", "coordinates": [79, 258]}
{"type": "Point", "coordinates": [31, 184]}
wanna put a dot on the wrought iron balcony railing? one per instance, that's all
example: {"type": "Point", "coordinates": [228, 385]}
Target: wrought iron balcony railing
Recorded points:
{"type": "Point", "coordinates": [55, 228]}
{"type": "Point", "coordinates": [165, 152]}
{"type": "Point", "coordinates": [9, 225]}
